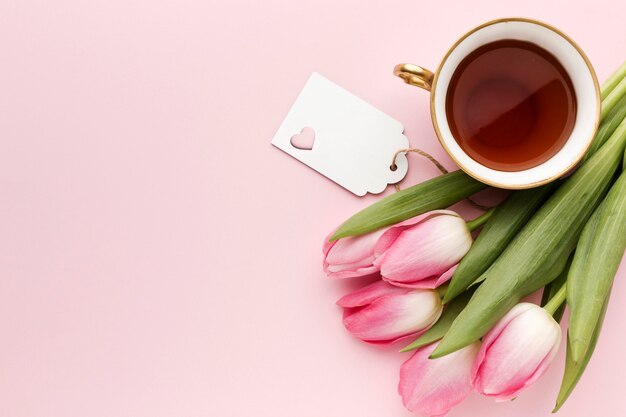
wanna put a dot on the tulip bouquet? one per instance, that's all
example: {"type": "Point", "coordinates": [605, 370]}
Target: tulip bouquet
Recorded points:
{"type": "Point", "coordinates": [456, 302]}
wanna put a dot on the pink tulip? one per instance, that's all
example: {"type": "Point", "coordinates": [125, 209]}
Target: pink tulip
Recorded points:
{"type": "Point", "coordinates": [351, 257]}
{"type": "Point", "coordinates": [424, 251]}
{"type": "Point", "coordinates": [431, 387]}
{"type": "Point", "coordinates": [516, 352]}
{"type": "Point", "coordinates": [381, 313]}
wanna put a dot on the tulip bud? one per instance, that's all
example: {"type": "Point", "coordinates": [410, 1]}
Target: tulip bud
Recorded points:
{"type": "Point", "coordinates": [381, 313]}
{"type": "Point", "coordinates": [351, 257]}
{"type": "Point", "coordinates": [424, 251]}
{"type": "Point", "coordinates": [431, 387]}
{"type": "Point", "coordinates": [516, 352]}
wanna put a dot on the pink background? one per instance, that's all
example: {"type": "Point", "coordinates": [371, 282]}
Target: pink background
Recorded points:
{"type": "Point", "coordinates": [159, 258]}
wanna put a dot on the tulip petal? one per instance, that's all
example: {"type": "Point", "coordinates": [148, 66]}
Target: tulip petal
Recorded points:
{"type": "Point", "coordinates": [366, 262]}
{"type": "Point", "coordinates": [542, 368]}
{"type": "Point", "coordinates": [328, 244]}
{"type": "Point", "coordinates": [357, 269]}
{"type": "Point", "coordinates": [368, 294]}
{"type": "Point", "coordinates": [432, 387]}
{"type": "Point", "coordinates": [391, 234]}
{"type": "Point", "coordinates": [425, 250]}
{"type": "Point", "coordinates": [361, 272]}
{"type": "Point", "coordinates": [517, 354]}
{"type": "Point", "coordinates": [495, 331]}
{"type": "Point", "coordinates": [350, 250]}
{"type": "Point", "coordinates": [426, 283]}
{"type": "Point", "coordinates": [350, 257]}
{"type": "Point", "coordinates": [393, 316]}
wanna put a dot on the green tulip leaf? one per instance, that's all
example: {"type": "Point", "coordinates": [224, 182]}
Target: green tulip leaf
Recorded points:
{"type": "Point", "coordinates": [574, 370]}
{"type": "Point", "coordinates": [598, 256]}
{"type": "Point", "coordinates": [505, 222]}
{"type": "Point", "coordinates": [436, 193]}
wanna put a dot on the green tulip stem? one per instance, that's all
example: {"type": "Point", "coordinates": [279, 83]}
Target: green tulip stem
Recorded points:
{"type": "Point", "coordinates": [480, 220]}
{"type": "Point", "coordinates": [556, 301]}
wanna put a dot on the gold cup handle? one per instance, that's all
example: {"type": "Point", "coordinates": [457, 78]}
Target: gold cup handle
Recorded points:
{"type": "Point", "coordinates": [414, 75]}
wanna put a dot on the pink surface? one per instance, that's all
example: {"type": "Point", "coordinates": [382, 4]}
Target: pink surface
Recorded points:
{"type": "Point", "coordinates": [159, 258]}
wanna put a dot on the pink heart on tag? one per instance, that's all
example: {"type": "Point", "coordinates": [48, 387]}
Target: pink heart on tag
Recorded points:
{"type": "Point", "coordinates": [304, 140]}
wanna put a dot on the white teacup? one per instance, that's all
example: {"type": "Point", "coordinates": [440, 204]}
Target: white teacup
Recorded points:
{"type": "Point", "coordinates": [571, 57]}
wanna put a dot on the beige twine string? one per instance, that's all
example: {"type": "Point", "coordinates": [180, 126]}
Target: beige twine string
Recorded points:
{"type": "Point", "coordinates": [435, 163]}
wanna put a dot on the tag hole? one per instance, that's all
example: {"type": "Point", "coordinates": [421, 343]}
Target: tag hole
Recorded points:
{"type": "Point", "coordinates": [393, 167]}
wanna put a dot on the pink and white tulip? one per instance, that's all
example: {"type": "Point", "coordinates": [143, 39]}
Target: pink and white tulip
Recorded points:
{"type": "Point", "coordinates": [431, 387]}
{"type": "Point", "coordinates": [382, 314]}
{"type": "Point", "coordinates": [424, 251]}
{"type": "Point", "coordinates": [516, 352]}
{"type": "Point", "coordinates": [351, 257]}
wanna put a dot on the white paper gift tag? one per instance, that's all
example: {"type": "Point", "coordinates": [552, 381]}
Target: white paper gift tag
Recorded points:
{"type": "Point", "coordinates": [343, 137]}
